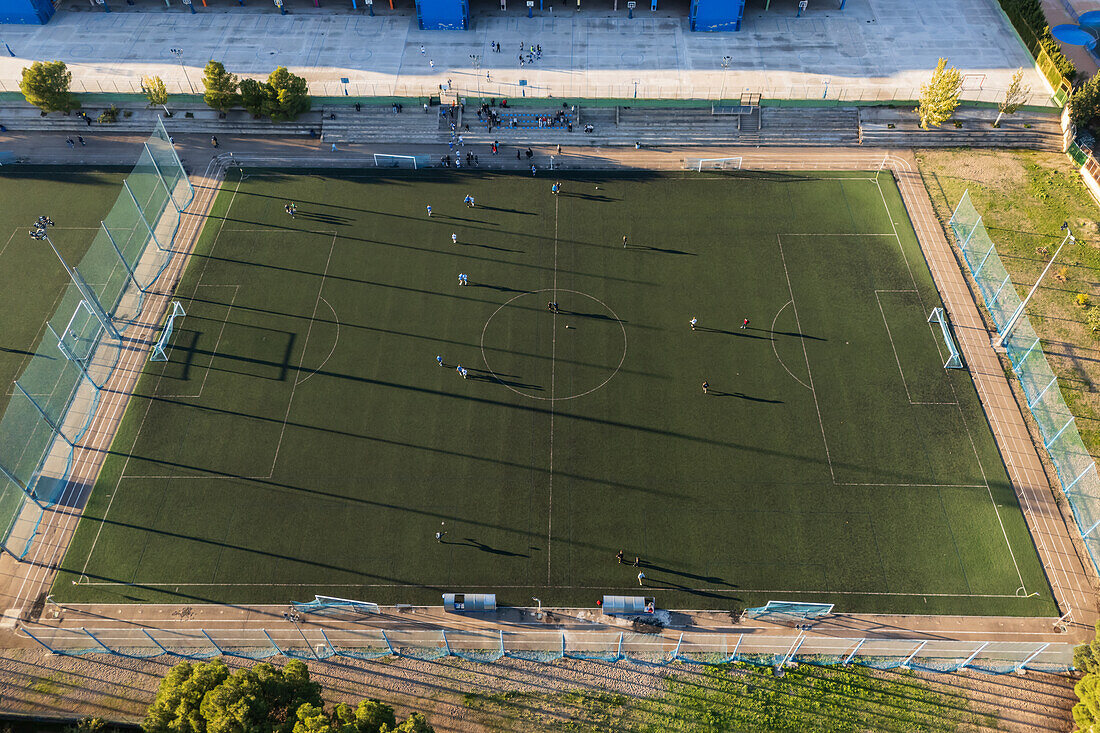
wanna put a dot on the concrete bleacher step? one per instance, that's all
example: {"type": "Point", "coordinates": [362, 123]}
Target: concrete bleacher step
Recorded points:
{"type": "Point", "coordinates": [885, 127]}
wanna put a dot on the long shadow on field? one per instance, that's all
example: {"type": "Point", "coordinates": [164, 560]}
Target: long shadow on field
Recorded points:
{"type": "Point", "coordinates": [511, 233]}
{"type": "Point", "coordinates": [507, 211]}
{"type": "Point", "coordinates": [442, 252]}
{"type": "Point", "coordinates": [684, 574]}
{"type": "Point", "coordinates": [660, 250]}
{"type": "Point", "coordinates": [743, 396]}
{"type": "Point", "coordinates": [470, 541]}
{"type": "Point", "coordinates": [489, 246]}
{"type": "Point", "coordinates": [741, 333]}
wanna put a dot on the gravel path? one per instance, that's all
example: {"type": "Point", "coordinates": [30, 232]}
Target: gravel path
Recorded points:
{"type": "Point", "coordinates": [446, 690]}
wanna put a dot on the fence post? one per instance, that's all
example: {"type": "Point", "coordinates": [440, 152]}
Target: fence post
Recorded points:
{"type": "Point", "coordinates": [790, 652]}
{"type": "Point", "coordinates": [49, 648]}
{"type": "Point", "coordinates": [388, 644]}
{"type": "Point", "coordinates": [971, 657]}
{"type": "Point", "coordinates": [272, 642]}
{"type": "Point", "coordinates": [1020, 364]}
{"type": "Point", "coordinates": [1059, 433]}
{"type": "Point", "coordinates": [849, 658]}
{"type": "Point", "coordinates": [97, 641]}
{"type": "Point", "coordinates": [968, 236]}
{"type": "Point", "coordinates": [118, 251]}
{"type": "Point", "coordinates": [330, 646]}
{"type": "Point", "coordinates": [1037, 652]}
{"type": "Point", "coordinates": [160, 175]}
{"type": "Point", "coordinates": [43, 413]}
{"type": "Point", "coordinates": [998, 293]}
{"type": "Point", "coordinates": [562, 645]}
{"type": "Point", "coordinates": [216, 645]}
{"type": "Point", "coordinates": [446, 643]}
{"type": "Point", "coordinates": [141, 214]}
{"type": "Point", "coordinates": [1080, 476]}
{"type": "Point", "coordinates": [676, 651]}
{"type": "Point", "coordinates": [905, 664]}
{"type": "Point", "coordinates": [987, 253]}
{"type": "Point", "coordinates": [733, 657]}
{"type": "Point", "coordinates": [501, 631]}
{"type": "Point", "coordinates": [1033, 402]}
{"type": "Point", "coordinates": [71, 357]}
{"type": "Point", "coordinates": [171, 145]}
{"type": "Point", "coordinates": [619, 651]}
{"type": "Point", "coordinates": [146, 632]}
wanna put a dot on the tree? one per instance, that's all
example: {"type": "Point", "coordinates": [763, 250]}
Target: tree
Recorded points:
{"type": "Point", "coordinates": [176, 708]}
{"type": "Point", "coordinates": [46, 85]}
{"type": "Point", "coordinates": [221, 87]}
{"type": "Point", "coordinates": [253, 96]}
{"type": "Point", "coordinates": [1015, 96]}
{"type": "Point", "coordinates": [287, 95]}
{"type": "Point", "coordinates": [1084, 103]}
{"type": "Point", "coordinates": [1086, 713]}
{"type": "Point", "coordinates": [415, 723]}
{"type": "Point", "coordinates": [312, 719]}
{"type": "Point", "coordinates": [940, 96]}
{"type": "Point", "coordinates": [154, 90]}
{"type": "Point", "coordinates": [373, 716]}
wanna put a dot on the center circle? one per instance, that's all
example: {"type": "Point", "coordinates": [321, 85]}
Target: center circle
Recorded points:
{"type": "Point", "coordinates": [553, 356]}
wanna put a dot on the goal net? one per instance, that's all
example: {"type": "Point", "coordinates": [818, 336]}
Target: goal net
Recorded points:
{"type": "Point", "coordinates": [712, 164]}
{"type": "Point", "coordinates": [160, 348]}
{"type": "Point", "coordinates": [383, 160]}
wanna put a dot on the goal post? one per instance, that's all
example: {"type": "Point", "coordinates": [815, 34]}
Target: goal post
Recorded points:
{"type": "Point", "coordinates": [386, 160]}
{"type": "Point", "coordinates": [954, 361]}
{"type": "Point", "coordinates": [160, 348]}
{"type": "Point", "coordinates": [716, 164]}
{"type": "Point", "coordinates": [787, 611]}
{"type": "Point", "coordinates": [330, 606]}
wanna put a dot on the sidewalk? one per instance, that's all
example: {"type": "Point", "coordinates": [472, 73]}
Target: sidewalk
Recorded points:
{"type": "Point", "coordinates": [881, 50]}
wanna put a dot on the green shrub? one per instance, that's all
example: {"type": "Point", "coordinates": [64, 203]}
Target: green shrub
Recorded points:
{"type": "Point", "coordinates": [108, 115]}
{"type": "Point", "coordinates": [1082, 300]}
{"type": "Point", "coordinates": [1031, 23]}
{"type": "Point", "coordinates": [1092, 319]}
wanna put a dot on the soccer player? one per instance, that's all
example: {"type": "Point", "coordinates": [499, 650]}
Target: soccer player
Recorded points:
{"type": "Point", "coordinates": [693, 321]}
{"type": "Point", "coordinates": [745, 323]}
{"type": "Point", "coordinates": [463, 373]}
{"type": "Point", "coordinates": [454, 238]}
{"type": "Point", "coordinates": [706, 386]}
{"type": "Point", "coordinates": [429, 209]}
{"type": "Point", "coordinates": [469, 201]}
{"type": "Point", "coordinates": [439, 360]}
{"type": "Point", "coordinates": [555, 188]}
{"type": "Point", "coordinates": [624, 241]}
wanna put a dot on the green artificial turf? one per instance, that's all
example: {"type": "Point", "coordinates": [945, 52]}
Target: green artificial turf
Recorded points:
{"type": "Point", "coordinates": [301, 439]}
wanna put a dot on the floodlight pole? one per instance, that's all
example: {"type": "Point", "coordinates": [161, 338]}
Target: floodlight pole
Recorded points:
{"type": "Point", "coordinates": [476, 58]}
{"type": "Point", "coordinates": [178, 53]}
{"type": "Point", "coordinates": [726, 60]}
{"type": "Point", "coordinates": [1007, 330]}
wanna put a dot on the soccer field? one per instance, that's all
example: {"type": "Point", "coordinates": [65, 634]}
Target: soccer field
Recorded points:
{"type": "Point", "coordinates": [302, 439]}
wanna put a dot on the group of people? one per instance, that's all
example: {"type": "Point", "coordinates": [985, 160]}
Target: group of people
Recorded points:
{"type": "Point", "coordinates": [529, 55]}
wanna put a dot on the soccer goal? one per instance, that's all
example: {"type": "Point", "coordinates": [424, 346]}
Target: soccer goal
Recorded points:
{"type": "Point", "coordinates": [330, 606]}
{"type": "Point", "coordinates": [954, 361]}
{"type": "Point", "coordinates": [160, 348]}
{"type": "Point", "coordinates": [712, 164]}
{"type": "Point", "coordinates": [787, 611]}
{"type": "Point", "coordinates": [383, 160]}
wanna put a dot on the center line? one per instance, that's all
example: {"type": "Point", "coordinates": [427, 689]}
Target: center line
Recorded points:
{"type": "Point", "coordinates": [553, 357]}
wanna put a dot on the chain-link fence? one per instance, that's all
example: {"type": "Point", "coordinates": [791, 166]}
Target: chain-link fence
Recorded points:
{"type": "Point", "coordinates": [1075, 467]}
{"type": "Point", "coordinates": [55, 397]}
{"type": "Point", "coordinates": [318, 643]}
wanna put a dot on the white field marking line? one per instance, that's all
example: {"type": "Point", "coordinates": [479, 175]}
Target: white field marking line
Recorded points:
{"type": "Point", "coordinates": [99, 583]}
{"type": "Point", "coordinates": [805, 353]}
{"type": "Point", "coordinates": [776, 351]}
{"type": "Point", "coordinates": [1022, 497]}
{"type": "Point", "coordinates": [555, 291]}
{"type": "Point", "coordinates": [553, 380]}
{"type": "Point", "coordinates": [962, 415]}
{"type": "Point", "coordinates": [908, 396]}
{"type": "Point", "coordinates": [335, 341]}
{"type": "Point", "coordinates": [920, 486]}
{"type": "Point", "coordinates": [137, 354]}
{"type": "Point", "coordinates": [217, 343]}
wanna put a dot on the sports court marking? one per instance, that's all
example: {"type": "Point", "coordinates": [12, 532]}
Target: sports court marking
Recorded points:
{"type": "Point", "coordinates": [894, 348]}
{"type": "Point", "coordinates": [776, 351]}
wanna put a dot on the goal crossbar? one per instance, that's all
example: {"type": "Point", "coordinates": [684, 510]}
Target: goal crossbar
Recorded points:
{"type": "Point", "coordinates": [387, 160]}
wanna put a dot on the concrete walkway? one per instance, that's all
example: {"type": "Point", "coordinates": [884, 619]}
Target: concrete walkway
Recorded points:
{"type": "Point", "coordinates": [873, 49]}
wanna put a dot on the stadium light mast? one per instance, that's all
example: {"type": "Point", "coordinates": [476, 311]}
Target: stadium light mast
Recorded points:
{"type": "Point", "coordinates": [726, 61]}
{"type": "Point", "coordinates": [178, 53]}
{"type": "Point", "coordinates": [1020, 310]}
{"type": "Point", "coordinates": [40, 234]}
{"type": "Point", "coordinates": [476, 59]}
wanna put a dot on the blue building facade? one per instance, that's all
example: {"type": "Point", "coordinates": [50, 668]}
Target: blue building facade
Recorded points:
{"type": "Point", "coordinates": [717, 15]}
{"type": "Point", "coordinates": [37, 12]}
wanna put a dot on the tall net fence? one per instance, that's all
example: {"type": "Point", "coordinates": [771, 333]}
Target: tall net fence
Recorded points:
{"type": "Point", "coordinates": [55, 397]}
{"type": "Point", "coordinates": [1075, 467]}
{"type": "Point", "coordinates": [320, 643]}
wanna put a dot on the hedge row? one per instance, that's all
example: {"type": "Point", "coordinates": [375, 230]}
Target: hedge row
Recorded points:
{"type": "Point", "coordinates": [1031, 23]}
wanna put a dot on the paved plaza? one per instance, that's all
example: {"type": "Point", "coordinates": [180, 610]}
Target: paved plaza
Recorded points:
{"type": "Point", "coordinates": [873, 49]}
